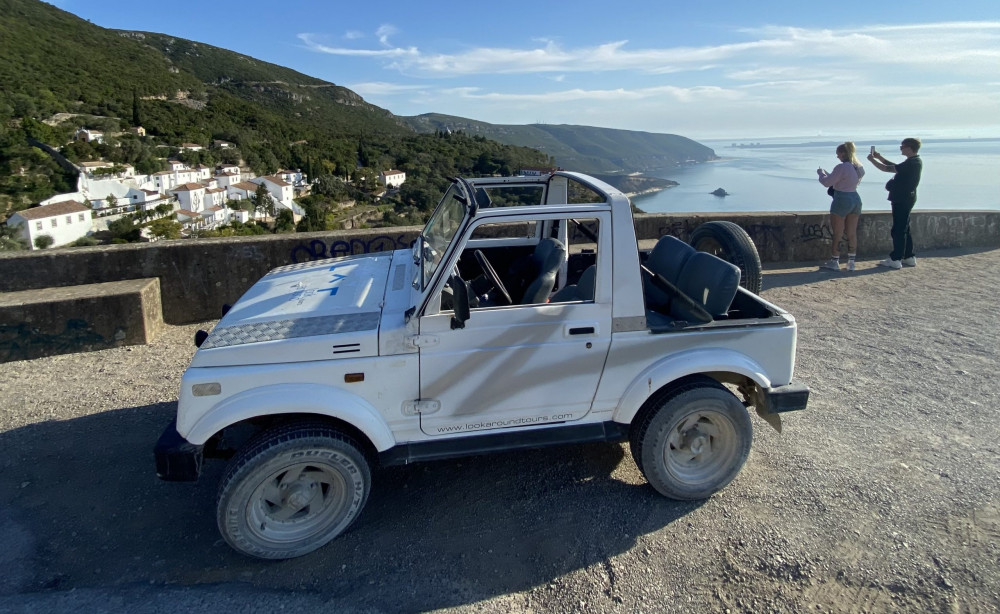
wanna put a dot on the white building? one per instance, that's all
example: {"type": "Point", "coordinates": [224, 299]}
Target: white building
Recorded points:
{"type": "Point", "coordinates": [392, 178]}
{"type": "Point", "coordinates": [90, 136]}
{"type": "Point", "coordinates": [241, 190]}
{"type": "Point", "coordinates": [64, 221]}
{"type": "Point", "coordinates": [163, 180]}
{"type": "Point", "coordinates": [227, 175]}
{"type": "Point", "coordinates": [215, 197]}
{"type": "Point", "coordinates": [280, 190]}
{"type": "Point", "coordinates": [191, 196]}
{"type": "Point", "coordinates": [88, 168]}
{"type": "Point", "coordinates": [203, 172]}
{"type": "Point", "coordinates": [296, 177]}
{"type": "Point", "coordinates": [98, 191]}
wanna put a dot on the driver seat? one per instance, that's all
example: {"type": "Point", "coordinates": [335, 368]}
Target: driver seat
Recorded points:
{"type": "Point", "coordinates": [548, 256]}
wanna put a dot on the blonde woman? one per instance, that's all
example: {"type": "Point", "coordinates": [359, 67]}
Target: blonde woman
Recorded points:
{"type": "Point", "coordinates": [845, 210]}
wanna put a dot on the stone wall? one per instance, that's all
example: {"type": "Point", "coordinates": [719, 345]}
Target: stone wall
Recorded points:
{"type": "Point", "coordinates": [198, 276]}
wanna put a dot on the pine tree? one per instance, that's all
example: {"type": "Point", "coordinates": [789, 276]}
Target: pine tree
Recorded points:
{"type": "Point", "coordinates": [136, 117]}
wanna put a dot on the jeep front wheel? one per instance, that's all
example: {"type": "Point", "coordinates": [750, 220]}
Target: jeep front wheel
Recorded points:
{"type": "Point", "coordinates": [291, 490]}
{"type": "Point", "coordinates": [693, 442]}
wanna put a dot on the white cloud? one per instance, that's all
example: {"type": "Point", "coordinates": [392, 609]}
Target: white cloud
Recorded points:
{"type": "Point", "coordinates": [381, 88]}
{"type": "Point", "coordinates": [969, 46]}
{"type": "Point", "coordinates": [384, 32]}
{"type": "Point", "coordinates": [313, 44]}
{"type": "Point", "coordinates": [765, 80]}
{"type": "Point", "coordinates": [353, 35]}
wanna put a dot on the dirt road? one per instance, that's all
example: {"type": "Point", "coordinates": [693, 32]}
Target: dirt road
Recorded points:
{"type": "Point", "coordinates": [881, 497]}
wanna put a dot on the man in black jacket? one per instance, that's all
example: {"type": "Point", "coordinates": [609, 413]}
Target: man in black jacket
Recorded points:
{"type": "Point", "coordinates": [902, 195]}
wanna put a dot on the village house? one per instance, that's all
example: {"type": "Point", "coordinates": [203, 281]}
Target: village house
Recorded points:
{"type": "Point", "coordinates": [243, 190]}
{"type": "Point", "coordinates": [392, 178]}
{"type": "Point", "coordinates": [228, 174]}
{"type": "Point", "coordinates": [90, 136]}
{"type": "Point", "coordinates": [64, 221]}
{"type": "Point", "coordinates": [88, 168]}
{"type": "Point", "coordinates": [190, 196]}
{"type": "Point", "coordinates": [280, 190]}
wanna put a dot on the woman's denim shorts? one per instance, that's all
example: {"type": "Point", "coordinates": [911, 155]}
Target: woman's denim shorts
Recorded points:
{"type": "Point", "coordinates": [845, 203]}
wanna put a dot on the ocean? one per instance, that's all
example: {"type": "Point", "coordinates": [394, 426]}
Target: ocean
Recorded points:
{"type": "Point", "coordinates": [780, 175]}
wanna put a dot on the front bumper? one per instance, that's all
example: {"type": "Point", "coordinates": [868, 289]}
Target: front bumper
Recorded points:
{"type": "Point", "coordinates": [791, 397]}
{"type": "Point", "coordinates": [177, 460]}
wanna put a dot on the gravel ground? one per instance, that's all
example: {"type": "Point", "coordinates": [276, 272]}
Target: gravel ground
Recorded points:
{"type": "Point", "coordinates": [881, 497]}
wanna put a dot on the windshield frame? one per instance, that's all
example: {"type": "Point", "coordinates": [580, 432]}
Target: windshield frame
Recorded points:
{"type": "Point", "coordinates": [439, 233]}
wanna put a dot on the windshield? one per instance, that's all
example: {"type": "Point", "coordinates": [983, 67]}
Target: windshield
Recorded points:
{"type": "Point", "coordinates": [440, 231]}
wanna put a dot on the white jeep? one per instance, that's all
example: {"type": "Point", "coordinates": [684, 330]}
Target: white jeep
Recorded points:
{"type": "Point", "coordinates": [525, 315]}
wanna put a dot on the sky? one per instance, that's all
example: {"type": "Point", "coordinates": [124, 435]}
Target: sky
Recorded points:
{"type": "Point", "coordinates": [705, 70]}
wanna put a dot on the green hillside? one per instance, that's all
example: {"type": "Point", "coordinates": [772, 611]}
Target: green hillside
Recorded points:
{"type": "Point", "coordinates": [60, 73]}
{"type": "Point", "coordinates": [581, 148]}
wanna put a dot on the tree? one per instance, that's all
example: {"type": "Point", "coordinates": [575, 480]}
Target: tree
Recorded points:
{"type": "Point", "coordinates": [165, 228]}
{"type": "Point", "coordinates": [124, 230]}
{"type": "Point", "coordinates": [136, 116]}
{"type": "Point", "coordinates": [284, 222]}
{"type": "Point", "coordinates": [10, 239]}
{"type": "Point", "coordinates": [263, 203]}
{"type": "Point", "coordinates": [44, 241]}
{"type": "Point", "coordinates": [112, 201]}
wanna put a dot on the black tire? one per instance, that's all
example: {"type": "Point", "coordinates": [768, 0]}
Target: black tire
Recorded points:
{"type": "Point", "coordinates": [692, 441]}
{"type": "Point", "coordinates": [731, 243]}
{"type": "Point", "coordinates": [291, 490]}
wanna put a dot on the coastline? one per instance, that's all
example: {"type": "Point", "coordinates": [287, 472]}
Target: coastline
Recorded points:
{"type": "Point", "coordinates": [652, 190]}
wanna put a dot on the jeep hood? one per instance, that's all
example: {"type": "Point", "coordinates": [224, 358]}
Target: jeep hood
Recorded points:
{"type": "Point", "coordinates": [301, 312]}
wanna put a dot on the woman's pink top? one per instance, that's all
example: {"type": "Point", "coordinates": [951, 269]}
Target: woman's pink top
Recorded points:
{"type": "Point", "coordinates": [844, 178]}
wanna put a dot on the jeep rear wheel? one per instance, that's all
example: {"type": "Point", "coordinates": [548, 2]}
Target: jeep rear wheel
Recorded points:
{"type": "Point", "coordinates": [292, 490]}
{"type": "Point", "coordinates": [694, 441]}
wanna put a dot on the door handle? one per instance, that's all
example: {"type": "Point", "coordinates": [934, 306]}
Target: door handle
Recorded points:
{"type": "Point", "coordinates": [582, 330]}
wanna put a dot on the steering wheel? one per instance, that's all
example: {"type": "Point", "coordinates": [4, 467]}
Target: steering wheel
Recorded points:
{"type": "Point", "coordinates": [491, 274]}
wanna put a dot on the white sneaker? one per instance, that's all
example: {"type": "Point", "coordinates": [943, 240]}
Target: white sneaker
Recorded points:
{"type": "Point", "coordinates": [889, 263]}
{"type": "Point", "coordinates": [850, 265]}
{"type": "Point", "coordinates": [911, 261]}
{"type": "Point", "coordinates": [833, 264]}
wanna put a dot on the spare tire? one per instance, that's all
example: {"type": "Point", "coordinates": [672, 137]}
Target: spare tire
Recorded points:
{"type": "Point", "coordinates": [731, 243]}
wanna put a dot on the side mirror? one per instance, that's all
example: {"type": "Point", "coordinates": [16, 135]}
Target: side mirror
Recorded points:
{"type": "Point", "coordinates": [460, 290]}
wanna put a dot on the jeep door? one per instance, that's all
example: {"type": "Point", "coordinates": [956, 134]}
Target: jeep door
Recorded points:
{"type": "Point", "coordinates": [524, 364]}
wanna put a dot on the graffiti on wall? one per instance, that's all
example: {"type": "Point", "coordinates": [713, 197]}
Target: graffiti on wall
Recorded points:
{"type": "Point", "coordinates": [318, 249]}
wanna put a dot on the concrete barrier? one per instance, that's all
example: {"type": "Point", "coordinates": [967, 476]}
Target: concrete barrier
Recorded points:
{"type": "Point", "coordinates": [198, 276]}
{"type": "Point", "coordinates": [36, 323]}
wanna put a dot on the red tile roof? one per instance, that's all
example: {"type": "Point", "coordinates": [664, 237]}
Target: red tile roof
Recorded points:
{"type": "Point", "coordinates": [53, 209]}
{"type": "Point", "coordinates": [278, 181]}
